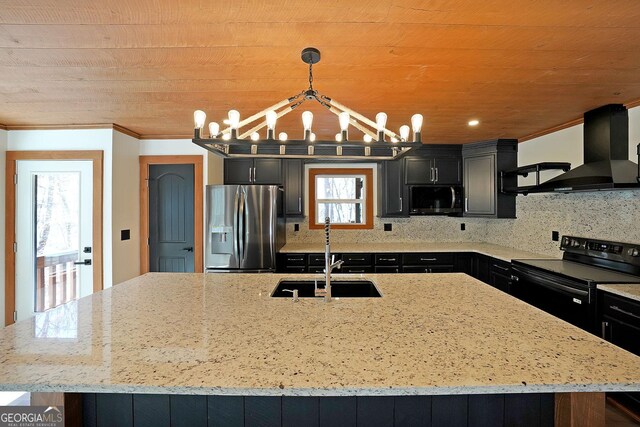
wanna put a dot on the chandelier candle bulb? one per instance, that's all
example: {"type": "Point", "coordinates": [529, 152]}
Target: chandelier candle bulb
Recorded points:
{"type": "Point", "coordinates": [271, 118]}
{"type": "Point", "coordinates": [255, 136]}
{"type": "Point", "coordinates": [416, 125]}
{"type": "Point", "coordinates": [199, 117]}
{"type": "Point", "coordinates": [381, 123]}
{"type": "Point", "coordinates": [282, 136]}
{"type": "Point", "coordinates": [214, 129]}
{"type": "Point", "coordinates": [234, 122]}
{"type": "Point", "coordinates": [338, 137]}
{"type": "Point", "coordinates": [312, 137]}
{"type": "Point", "coordinates": [307, 121]}
{"type": "Point", "coordinates": [404, 133]}
{"type": "Point", "coordinates": [344, 120]}
{"type": "Point", "coordinates": [367, 138]}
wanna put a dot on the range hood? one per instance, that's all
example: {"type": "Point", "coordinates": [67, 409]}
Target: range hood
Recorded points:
{"type": "Point", "coordinates": [606, 156]}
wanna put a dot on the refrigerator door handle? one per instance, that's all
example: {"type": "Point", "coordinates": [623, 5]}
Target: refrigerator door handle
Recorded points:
{"type": "Point", "coordinates": [236, 234]}
{"type": "Point", "coordinates": [245, 227]}
{"type": "Point", "coordinates": [241, 228]}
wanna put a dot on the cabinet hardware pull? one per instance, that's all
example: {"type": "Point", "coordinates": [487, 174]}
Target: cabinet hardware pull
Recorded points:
{"type": "Point", "coordinates": [501, 268]}
{"type": "Point", "coordinates": [428, 259]}
{"type": "Point", "coordinates": [466, 204]}
{"type": "Point", "coordinates": [355, 259]}
{"type": "Point", "coordinates": [296, 259]}
{"type": "Point", "coordinates": [400, 204]}
{"type": "Point", "coordinates": [628, 313]}
{"type": "Point", "coordinates": [356, 271]}
{"type": "Point", "coordinates": [436, 180]}
{"type": "Point", "coordinates": [604, 329]}
{"type": "Point", "coordinates": [254, 174]}
{"type": "Point", "coordinates": [300, 204]}
{"type": "Point", "coordinates": [431, 178]}
{"type": "Point", "coordinates": [250, 175]}
{"type": "Point", "coordinates": [386, 259]}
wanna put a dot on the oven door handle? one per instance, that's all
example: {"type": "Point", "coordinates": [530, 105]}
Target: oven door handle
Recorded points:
{"type": "Point", "coordinates": [550, 284]}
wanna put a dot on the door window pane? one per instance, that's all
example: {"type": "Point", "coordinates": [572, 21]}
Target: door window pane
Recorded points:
{"type": "Point", "coordinates": [57, 218]}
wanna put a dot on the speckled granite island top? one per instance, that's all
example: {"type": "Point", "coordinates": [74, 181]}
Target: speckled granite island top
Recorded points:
{"type": "Point", "coordinates": [223, 334]}
{"type": "Point", "coordinates": [496, 251]}
{"type": "Point", "coordinates": [631, 291]}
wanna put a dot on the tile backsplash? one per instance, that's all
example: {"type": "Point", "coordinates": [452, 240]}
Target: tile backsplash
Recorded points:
{"type": "Point", "coordinates": [608, 215]}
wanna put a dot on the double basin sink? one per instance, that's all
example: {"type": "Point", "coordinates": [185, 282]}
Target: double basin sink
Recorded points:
{"type": "Point", "coordinates": [340, 288]}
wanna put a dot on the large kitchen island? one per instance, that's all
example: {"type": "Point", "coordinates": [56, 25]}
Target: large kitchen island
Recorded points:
{"type": "Point", "coordinates": [216, 349]}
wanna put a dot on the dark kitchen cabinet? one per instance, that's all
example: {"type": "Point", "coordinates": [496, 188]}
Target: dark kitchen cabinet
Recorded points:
{"type": "Point", "coordinates": [436, 170]}
{"type": "Point", "coordinates": [253, 171]}
{"type": "Point", "coordinates": [500, 274]}
{"type": "Point", "coordinates": [620, 325]}
{"type": "Point", "coordinates": [428, 263]}
{"type": "Point", "coordinates": [294, 187]}
{"type": "Point", "coordinates": [394, 197]}
{"type": "Point", "coordinates": [482, 164]}
{"type": "Point", "coordinates": [480, 267]}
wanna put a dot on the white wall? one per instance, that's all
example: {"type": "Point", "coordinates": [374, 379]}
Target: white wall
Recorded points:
{"type": "Point", "coordinates": [126, 207]}
{"type": "Point", "coordinates": [3, 149]}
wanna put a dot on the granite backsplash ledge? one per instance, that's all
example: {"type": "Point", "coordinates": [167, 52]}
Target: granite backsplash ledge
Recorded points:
{"type": "Point", "coordinates": [608, 215]}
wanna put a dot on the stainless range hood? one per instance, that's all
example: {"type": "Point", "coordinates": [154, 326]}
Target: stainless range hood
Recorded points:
{"type": "Point", "coordinates": [606, 156]}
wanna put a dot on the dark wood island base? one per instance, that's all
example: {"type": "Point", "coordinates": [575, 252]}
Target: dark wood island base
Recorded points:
{"type": "Point", "coordinates": [494, 410]}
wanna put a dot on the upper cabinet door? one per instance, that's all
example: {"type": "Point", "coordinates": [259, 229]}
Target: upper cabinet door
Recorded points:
{"type": "Point", "coordinates": [419, 171]}
{"type": "Point", "coordinates": [293, 187]}
{"type": "Point", "coordinates": [267, 171]}
{"type": "Point", "coordinates": [392, 191]}
{"type": "Point", "coordinates": [238, 171]}
{"type": "Point", "coordinates": [480, 184]}
{"type": "Point", "coordinates": [447, 171]}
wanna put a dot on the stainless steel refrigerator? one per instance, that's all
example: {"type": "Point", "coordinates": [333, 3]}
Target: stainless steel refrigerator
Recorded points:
{"type": "Point", "coordinates": [245, 227]}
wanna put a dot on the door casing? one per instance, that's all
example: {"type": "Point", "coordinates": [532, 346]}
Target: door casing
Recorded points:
{"type": "Point", "coordinates": [198, 208]}
{"type": "Point", "coordinates": [97, 158]}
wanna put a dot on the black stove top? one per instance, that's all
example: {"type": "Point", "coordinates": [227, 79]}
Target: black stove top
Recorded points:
{"type": "Point", "coordinates": [579, 271]}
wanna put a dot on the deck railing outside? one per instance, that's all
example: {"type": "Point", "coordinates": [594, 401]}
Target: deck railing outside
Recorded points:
{"type": "Point", "coordinates": [56, 280]}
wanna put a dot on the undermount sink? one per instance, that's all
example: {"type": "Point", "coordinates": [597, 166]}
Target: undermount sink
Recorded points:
{"type": "Point", "coordinates": [340, 288]}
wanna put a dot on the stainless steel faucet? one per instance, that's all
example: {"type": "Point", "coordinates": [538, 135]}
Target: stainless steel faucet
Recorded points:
{"type": "Point", "coordinates": [329, 263]}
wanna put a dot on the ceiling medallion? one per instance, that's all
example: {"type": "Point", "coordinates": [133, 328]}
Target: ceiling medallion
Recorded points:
{"type": "Point", "coordinates": [232, 142]}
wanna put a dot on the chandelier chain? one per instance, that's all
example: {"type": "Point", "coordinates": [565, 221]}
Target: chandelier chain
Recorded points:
{"type": "Point", "coordinates": [311, 76]}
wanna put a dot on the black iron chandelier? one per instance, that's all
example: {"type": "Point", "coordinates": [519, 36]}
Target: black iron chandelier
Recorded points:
{"type": "Point", "coordinates": [232, 142]}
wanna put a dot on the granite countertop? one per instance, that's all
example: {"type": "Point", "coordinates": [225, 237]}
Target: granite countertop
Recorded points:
{"type": "Point", "coordinates": [222, 334]}
{"type": "Point", "coordinates": [501, 252]}
{"type": "Point", "coordinates": [631, 291]}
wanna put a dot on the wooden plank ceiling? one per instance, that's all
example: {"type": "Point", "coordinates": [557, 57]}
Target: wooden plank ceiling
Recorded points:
{"type": "Point", "coordinates": [517, 66]}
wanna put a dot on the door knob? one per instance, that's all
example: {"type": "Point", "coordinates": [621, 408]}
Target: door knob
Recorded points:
{"type": "Point", "coordinates": [189, 249]}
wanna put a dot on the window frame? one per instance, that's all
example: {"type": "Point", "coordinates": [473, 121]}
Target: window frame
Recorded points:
{"type": "Point", "coordinates": [367, 201]}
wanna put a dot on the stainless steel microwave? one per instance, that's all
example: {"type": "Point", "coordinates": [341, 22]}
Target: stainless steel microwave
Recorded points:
{"type": "Point", "coordinates": [435, 199]}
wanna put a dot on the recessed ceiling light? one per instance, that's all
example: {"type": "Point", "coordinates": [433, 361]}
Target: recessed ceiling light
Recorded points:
{"type": "Point", "coordinates": [474, 122]}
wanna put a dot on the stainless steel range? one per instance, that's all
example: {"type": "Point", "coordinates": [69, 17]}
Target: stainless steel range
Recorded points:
{"type": "Point", "coordinates": [566, 287]}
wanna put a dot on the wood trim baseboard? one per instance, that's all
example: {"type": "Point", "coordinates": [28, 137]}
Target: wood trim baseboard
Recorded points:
{"type": "Point", "coordinates": [97, 158]}
{"type": "Point", "coordinates": [370, 203]}
{"type": "Point", "coordinates": [198, 192]}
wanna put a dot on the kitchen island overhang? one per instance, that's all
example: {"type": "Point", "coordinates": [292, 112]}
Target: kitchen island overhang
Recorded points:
{"type": "Point", "coordinates": [222, 334]}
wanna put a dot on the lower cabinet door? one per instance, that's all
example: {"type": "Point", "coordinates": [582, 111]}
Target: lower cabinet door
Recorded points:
{"type": "Point", "coordinates": [427, 269]}
{"type": "Point", "coordinates": [387, 269]}
{"type": "Point", "coordinates": [356, 269]}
